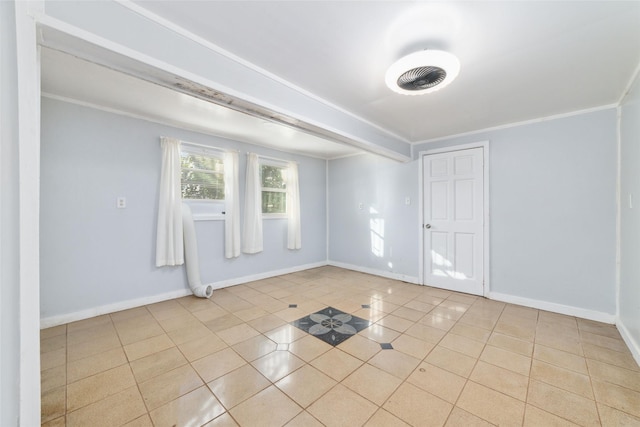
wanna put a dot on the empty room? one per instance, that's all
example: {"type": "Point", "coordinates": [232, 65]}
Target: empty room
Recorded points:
{"type": "Point", "coordinates": [319, 213]}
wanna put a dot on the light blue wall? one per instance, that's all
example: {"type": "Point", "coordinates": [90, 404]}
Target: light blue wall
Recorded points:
{"type": "Point", "coordinates": [355, 234]}
{"type": "Point", "coordinates": [9, 221]}
{"type": "Point", "coordinates": [552, 206]}
{"type": "Point", "coordinates": [553, 210]}
{"type": "Point", "coordinates": [114, 22]}
{"type": "Point", "coordinates": [629, 299]}
{"type": "Point", "coordinates": [93, 254]}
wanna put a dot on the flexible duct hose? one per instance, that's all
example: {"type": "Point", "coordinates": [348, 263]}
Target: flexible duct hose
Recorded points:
{"type": "Point", "coordinates": [191, 255]}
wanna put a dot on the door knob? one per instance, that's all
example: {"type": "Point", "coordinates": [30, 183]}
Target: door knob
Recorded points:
{"type": "Point", "coordinates": [427, 226]}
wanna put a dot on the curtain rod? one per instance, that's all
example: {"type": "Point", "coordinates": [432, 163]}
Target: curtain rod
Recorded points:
{"type": "Point", "coordinates": [195, 144]}
{"type": "Point", "coordinates": [276, 159]}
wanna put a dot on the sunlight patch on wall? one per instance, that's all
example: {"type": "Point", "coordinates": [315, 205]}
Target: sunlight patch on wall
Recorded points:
{"type": "Point", "coordinates": [376, 226]}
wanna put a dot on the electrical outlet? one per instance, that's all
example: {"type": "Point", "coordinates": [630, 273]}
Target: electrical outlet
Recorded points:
{"type": "Point", "coordinates": [121, 202]}
{"type": "Point", "coordinates": [407, 200]}
{"type": "Point", "coordinates": [361, 206]}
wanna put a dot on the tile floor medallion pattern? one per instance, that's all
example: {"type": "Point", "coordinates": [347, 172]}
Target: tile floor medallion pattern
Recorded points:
{"type": "Point", "coordinates": [331, 325]}
{"type": "Point", "coordinates": [236, 360]}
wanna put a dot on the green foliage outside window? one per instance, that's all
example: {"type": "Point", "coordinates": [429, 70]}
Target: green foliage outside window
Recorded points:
{"type": "Point", "coordinates": [274, 203]}
{"type": "Point", "coordinates": [274, 186]}
{"type": "Point", "coordinates": [202, 177]}
{"type": "Point", "coordinates": [272, 177]}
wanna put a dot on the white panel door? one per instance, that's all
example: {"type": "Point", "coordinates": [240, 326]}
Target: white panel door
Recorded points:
{"type": "Point", "coordinates": [454, 220]}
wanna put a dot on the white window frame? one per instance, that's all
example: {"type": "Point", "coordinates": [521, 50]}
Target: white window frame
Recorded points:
{"type": "Point", "coordinates": [279, 164]}
{"type": "Point", "coordinates": [205, 209]}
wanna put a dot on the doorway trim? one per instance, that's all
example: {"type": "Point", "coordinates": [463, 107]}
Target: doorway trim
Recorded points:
{"type": "Point", "coordinates": [28, 113]}
{"type": "Point", "coordinates": [486, 216]}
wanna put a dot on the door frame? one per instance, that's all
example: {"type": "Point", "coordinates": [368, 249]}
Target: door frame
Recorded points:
{"type": "Point", "coordinates": [486, 215]}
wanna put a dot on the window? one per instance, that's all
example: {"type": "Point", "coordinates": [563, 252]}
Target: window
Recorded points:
{"type": "Point", "coordinates": [202, 182]}
{"type": "Point", "coordinates": [202, 175]}
{"type": "Point", "coordinates": [274, 189]}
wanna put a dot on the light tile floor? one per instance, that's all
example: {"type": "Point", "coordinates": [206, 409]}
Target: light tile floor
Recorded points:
{"type": "Point", "coordinates": [457, 360]}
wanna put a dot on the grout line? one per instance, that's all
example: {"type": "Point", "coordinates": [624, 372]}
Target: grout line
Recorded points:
{"type": "Point", "coordinates": [533, 350]}
{"type": "Point", "coordinates": [66, 371]}
{"type": "Point", "coordinates": [369, 290]}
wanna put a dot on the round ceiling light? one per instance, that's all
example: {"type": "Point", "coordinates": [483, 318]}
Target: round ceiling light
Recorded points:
{"type": "Point", "coordinates": [422, 72]}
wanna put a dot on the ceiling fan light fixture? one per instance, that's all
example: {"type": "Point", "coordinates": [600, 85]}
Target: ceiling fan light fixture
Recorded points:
{"type": "Point", "coordinates": [422, 72]}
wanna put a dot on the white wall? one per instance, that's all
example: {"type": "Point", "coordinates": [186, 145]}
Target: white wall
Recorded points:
{"type": "Point", "coordinates": [552, 202]}
{"type": "Point", "coordinates": [93, 254]}
{"type": "Point", "coordinates": [9, 221]}
{"type": "Point", "coordinates": [629, 296]}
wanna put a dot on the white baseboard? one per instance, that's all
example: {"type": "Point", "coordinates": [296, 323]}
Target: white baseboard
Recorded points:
{"type": "Point", "coordinates": [61, 319]}
{"type": "Point", "coordinates": [381, 273]}
{"type": "Point", "coordinates": [527, 302]}
{"type": "Point", "coordinates": [633, 345]}
{"type": "Point", "coordinates": [583, 313]}
{"type": "Point", "coordinates": [245, 279]}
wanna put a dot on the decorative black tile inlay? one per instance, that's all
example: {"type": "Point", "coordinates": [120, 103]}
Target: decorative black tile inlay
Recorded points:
{"type": "Point", "coordinates": [331, 325]}
{"type": "Point", "coordinates": [386, 346]}
{"type": "Point", "coordinates": [366, 305]}
{"type": "Point", "coordinates": [293, 305]}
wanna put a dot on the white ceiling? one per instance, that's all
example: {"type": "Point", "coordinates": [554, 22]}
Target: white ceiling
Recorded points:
{"type": "Point", "coordinates": [68, 77]}
{"type": "Point", "coordinates": [520, 60]}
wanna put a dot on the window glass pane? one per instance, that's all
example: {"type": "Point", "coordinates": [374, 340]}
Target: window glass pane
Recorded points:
{"type": "Point", "coordinates": [194, 190]}
{"type": "Point", "coordinates": [200, 161]}
{"type": "Point", "coordinates": [272, 177]}
{"type": "Point", "coordinates": [202, 177]}
{"type": "Point", "coordinates": [274, 202]}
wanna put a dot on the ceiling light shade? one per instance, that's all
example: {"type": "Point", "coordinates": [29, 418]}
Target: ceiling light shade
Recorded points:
{"type": "Point", "coordinates": [422, 72]}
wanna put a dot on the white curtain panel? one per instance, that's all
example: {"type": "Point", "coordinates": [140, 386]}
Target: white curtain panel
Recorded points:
{"type": "Point", "coordinates": [252, 228]}
{"type": "Point", "coordinates": [232, 206]}
{"type": "Point", "coordinates": [169, 244]}
{"type": "Point", "coordinates": [294, 237]}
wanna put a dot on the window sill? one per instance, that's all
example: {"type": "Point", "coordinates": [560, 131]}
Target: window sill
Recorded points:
{"type": "Point", "coordinates": [208, 217]}
{"type": "Point", "coordinates": [274, 216]}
